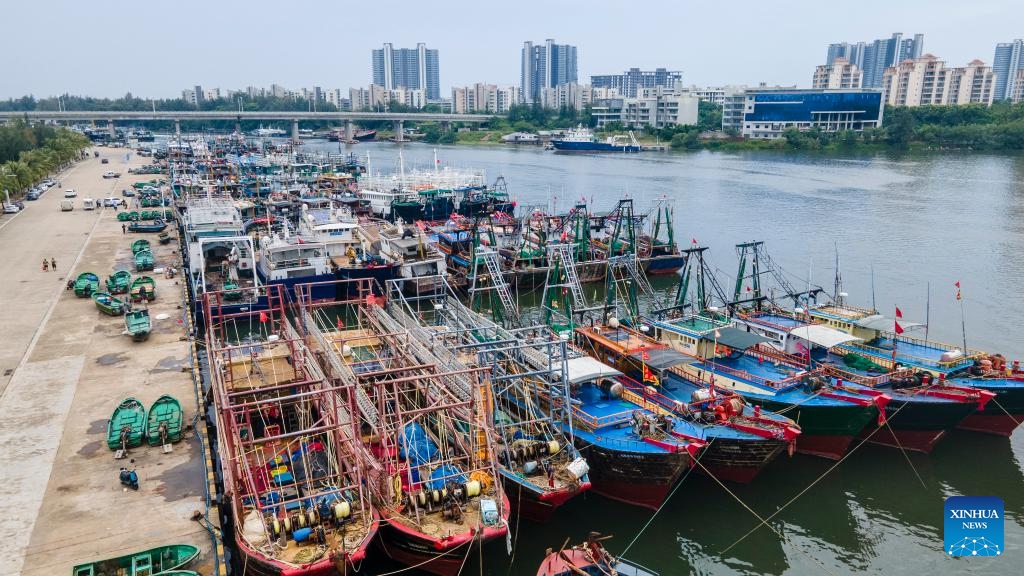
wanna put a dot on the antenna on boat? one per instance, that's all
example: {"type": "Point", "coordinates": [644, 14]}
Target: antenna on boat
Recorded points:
{"type": "Point", "coordinates": [838, 295]}
{"type": "Point", "coordinates": [873, 307]}
{"type": "Point", "coordinates": [928, 312]}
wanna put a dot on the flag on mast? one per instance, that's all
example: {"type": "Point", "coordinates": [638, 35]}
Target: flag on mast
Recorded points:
{"type": "Point", "coordinates": [958, 295]}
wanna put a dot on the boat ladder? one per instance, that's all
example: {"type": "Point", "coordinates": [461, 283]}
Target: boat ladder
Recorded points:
{"type": "Point", "coordinates": [498, 284]}
{"type": "Point", "coordinates": [562, 253]}
{"type": "Point", "coordinates": [629, 262]}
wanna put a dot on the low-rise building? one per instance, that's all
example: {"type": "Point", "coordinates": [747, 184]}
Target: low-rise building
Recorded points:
{"type": "Point", "coordinates": [652, 108]}
{"type": "Point", "coordinates": [927, 81]}
{"type": "Point", "coordinates": [839, 75]}
{"type": "Point", "coordinates": [769, 113]}
{"type": "Point", "coordinates": [484, 98]}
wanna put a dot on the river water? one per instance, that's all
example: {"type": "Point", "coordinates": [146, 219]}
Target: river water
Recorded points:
{"type": "Point", "coordinates": [919, 223]}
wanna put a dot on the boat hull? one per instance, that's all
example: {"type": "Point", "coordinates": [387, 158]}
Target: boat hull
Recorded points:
{"type": "Point", "coordinates": [917, 426]}
{"type": "Point", "coordinates": [739, 461]}
{"type": "Point", "coordinates": [642, 479]}
{"type": "Point", "coordinates": [407, 547]}
{"type": "Point", "coordinates": [534, 506]}
{"type": "Point", "coordinates": [826, 431]}
{"type": "Point", "coordinates": [663, 265]}
{"type": "Point", "coordinates": [570, 146]}
{"type": "Point", "coordinates": [1002, 414]}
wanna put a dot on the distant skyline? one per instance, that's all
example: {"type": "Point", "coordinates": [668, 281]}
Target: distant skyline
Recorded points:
{"type": "Point", "coordinates": [154, 50]}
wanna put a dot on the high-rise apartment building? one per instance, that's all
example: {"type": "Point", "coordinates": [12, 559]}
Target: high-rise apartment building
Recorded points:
{"type": "Point", "coordinates": [875, 57]}
{"type": "Point", "coordinates": [546, 66]}
{"type": "Point", "coordinates": [631, 81]}
{"type": "Point", "coordinates": [1008, 60]}
{"type": "Point", "coordinates": [839, 75]}
{"type": "Point", "coordinates": [926, 81]}
{"type": "Point", "coordinates": [409, 68]}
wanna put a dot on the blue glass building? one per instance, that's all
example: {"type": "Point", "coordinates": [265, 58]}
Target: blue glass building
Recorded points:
{"type": "Point", "coordinates": [768, 113]}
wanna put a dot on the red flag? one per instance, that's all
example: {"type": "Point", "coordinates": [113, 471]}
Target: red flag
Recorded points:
{"type": "Point", "coordinates": [694, 240]}
{"type": "Point", "coordinates": [645, 356]}
{"type": "Point", "coordinates": [340, 326]}
{"type": "Point", "coordinates": [899, 329]}
{"type": "Point", "coordinates": [899, 314]}
{"type": "Point", "coordinates": [263, 317]}
{"type": "Point", "coordinates": [957, 284]}
{"type": "Point", "coordinates": [649, 376]}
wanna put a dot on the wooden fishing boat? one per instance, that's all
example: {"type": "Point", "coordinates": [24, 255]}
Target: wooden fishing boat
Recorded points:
{"type": "Point", "coordinates": [108, 304]}
{"type": "Point", "coordinates": [86, 284]}
{"type": "Point", "coordinates": [164, 560]}
{"type": "Point", "coordinates": [140, 246]}
{"type": "Point", "coordinates": [127, 425]}
{"type": "Point", "coordinates": [137, 324]}
{"type": "Point", "coordinates": [157, 225]}
{"type": "Point", "coordinates": [118, 282]}
{"type": "Point", "coordinates": [165, 421]}
{"type": "Point", "coordinates": [143, 261]}
{"type": "Point", "coordinates": [588, 558]}
{"type": "Point", "coordinates": [143, 288]}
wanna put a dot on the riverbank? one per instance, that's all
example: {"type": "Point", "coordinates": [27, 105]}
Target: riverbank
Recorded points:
{"type": "Point", "coordinates": [68, 367]}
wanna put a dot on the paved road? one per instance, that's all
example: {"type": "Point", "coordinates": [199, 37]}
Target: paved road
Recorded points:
{"type": "Point", "coordinates": [70, 366]}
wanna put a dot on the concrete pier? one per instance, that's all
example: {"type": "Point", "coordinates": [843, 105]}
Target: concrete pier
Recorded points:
{"type": "Point", "coordinates": [295, 130]}
{"type": "Point", "coordinates": [399, 131]}
{"type": "Point", "coordinates": [65, 368]}
{"type": "Point", "coordinates": [350, 131]}
{"type": "Point", "coordinates": [177, 128]}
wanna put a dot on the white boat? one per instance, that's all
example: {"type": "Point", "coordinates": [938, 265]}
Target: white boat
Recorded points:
{"type": "Point", "coordinates": [419, 261]}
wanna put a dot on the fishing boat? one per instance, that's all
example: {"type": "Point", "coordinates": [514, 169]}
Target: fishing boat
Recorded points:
{"type": "Point", "coordinates": [143, 260]}
{"type": "Point", "coordinates": [118, 282]}
{"type": "Point", "coordinates": [741, 439]}
{"type": "Point", "coordinates": [582, 139]}
{"type": "Point", "coordinates": [86, 284]}
{"type": "Point", "coordinates": [293, 479]}
{"type": "Point", "coordinates": [163, 560]}
{"type": "Point", "coordinates": [140, 246]}
{"type": "Point", "coordinates": [540, 467]}
{"type": "Point", "coordinates": [165, 421]}
{"type": "Point", "coordinates": [418, 259]}
{"type": "Point", "coordinates": [108, 304]}
{"type": "Point", "coordinates": [157, 225]}
{"type": "Point", "coordinates": [137, 324]}
{"type": "Point", "coordinates": [589, 558]}
{"type": "Point", "coordinates": [143, 288]}
{"type": "Point", "coordinates": [127, 425]}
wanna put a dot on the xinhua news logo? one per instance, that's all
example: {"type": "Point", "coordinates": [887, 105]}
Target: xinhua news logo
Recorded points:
{"type": "Point", "coordinates": [973, 526]}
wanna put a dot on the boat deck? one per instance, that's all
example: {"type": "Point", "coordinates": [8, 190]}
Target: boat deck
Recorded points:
{"type": "Point", "coordinates": [69, 367]}
{"type": "Point", "coordinates": [614, 416]}
{"type": "Point", "coordinates": [766, 369]}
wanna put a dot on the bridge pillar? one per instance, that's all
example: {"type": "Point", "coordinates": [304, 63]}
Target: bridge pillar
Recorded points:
{"type": "Point", "coordinates": [113, 131]}
{"type": "Point", "coordinates": [399, 126]}
{"type": "Point", "coordinates": [350, 130]}
{"type": "Point", "coordinates": [238, 125]}
{"type": "Point", "coordinates": [446, 127]}
{"type": "Point", "coordinates": [295, 130]}
{"type": "Point", "coordinates": [177, 128]}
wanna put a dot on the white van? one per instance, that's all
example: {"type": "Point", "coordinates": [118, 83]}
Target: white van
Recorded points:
{"type": "Point", "coordinates": [70, 193]}
{"type": "Point", "coordinates": [88, 204]}
{"type": "Point", "coordinates": [67, 205]}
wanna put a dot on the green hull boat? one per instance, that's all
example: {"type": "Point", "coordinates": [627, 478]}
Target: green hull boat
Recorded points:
{"type": "Point", "coordinates": [165, 421]}
{"type": "Point", "coordinates": [164, 560]}
{"type": "Point", "coordinates": [86, 284]}
{"type": "Point", "coordinates": [143, 288]}
{"type": "Point", "coordinates": [140, 246]}
{"type": "Point", "coordinates": [155, 226]}
{"type": "Point", "coordinates": [108, 304]}
{"type": "Point", "coordinates": [127, 425]}
{"type": "Point", "coordinates": [144, 260]}
{"type": "Point", "coordinates": [127, 216]}
{"type": "Point", "coordinates": [118, 282]}
{"type": "Point", "coordinates": [137, 324]}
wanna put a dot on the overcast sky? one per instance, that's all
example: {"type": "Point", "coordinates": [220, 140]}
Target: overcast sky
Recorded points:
{"type": "Point", "coordinates": [157, 48]}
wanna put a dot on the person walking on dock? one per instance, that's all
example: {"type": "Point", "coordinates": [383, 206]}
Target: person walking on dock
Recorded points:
{"type": "Point", "coordinates": [124, 228]}
{"type": "Point", "coordinates": [46, 265]}
{"type": "Point", "coordinates": [53, 264]}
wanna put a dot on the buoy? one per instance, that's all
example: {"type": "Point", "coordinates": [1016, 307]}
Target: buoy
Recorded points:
{"type": "Point", "coordinates": [554, 447]}
{"type": "Point", "coordinates": [472, 488]}
{"type": "Point", "coordinates": [342, 510]}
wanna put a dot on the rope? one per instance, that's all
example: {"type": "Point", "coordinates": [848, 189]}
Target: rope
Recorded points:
{"type": "Point", "coordinates": [428, 560]}
{"type": "Point", "coordinates": [905, 455]}
{"type": "Point", "coordinates": [1005, 411]}
{"type": "Point", "coordinates": [812, 484]}
{"type": "Point", "coordinates": [758, 516]}
{"type": "Point", "coordinates": [658, 511]}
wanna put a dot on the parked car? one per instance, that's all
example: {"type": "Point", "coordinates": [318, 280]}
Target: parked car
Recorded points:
{"type": "Point", "coordinates": [70, 193]}
{"type": "Point", "coordinates": [33, 195]}
{"type": "Point", "coordinates": [105, 160]}
{"type": "Point", "coordinates": [11, 209]}
{"type": "Point", "coordinates": [111, 202]}
{"type": "Point", "coordinates": [127, 193]}
{"type": "Point", "coordinates": [111, 174]}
